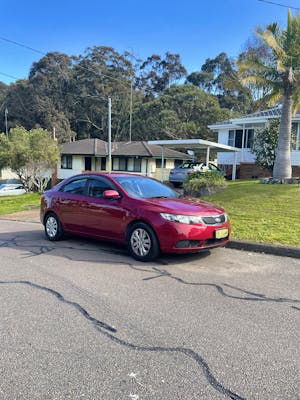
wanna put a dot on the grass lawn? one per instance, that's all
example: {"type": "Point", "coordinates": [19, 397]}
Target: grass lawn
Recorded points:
{"type": "Point", "coordinates": [11, 204]}
{"type": "Point", "coordinates": [262, 213]}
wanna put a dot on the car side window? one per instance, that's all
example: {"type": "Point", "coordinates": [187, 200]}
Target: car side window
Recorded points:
{"type": "Point", "coordinates": [75, 187]}
{"type": "Point", "coordinates": [96, 187]}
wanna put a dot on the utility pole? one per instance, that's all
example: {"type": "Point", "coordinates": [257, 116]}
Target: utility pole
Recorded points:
{"type": "Point", "coordinates": [109, 134]}
{"type": "Point", "coordinates": [5, 115]}
{"type": "Point", "coordinates": [130, 112]}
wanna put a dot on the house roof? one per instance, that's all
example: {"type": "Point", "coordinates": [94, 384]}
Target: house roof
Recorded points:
{"type": "Point", "coordinates": [85, 147]}
{"type": "Point", "coordinates": [257, 117]}
{"type": "Point", "coordinates": [97, 147]}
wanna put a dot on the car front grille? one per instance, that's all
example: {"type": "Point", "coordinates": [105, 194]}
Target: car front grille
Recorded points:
{"type": "Point", "coordinates": [215, 220]}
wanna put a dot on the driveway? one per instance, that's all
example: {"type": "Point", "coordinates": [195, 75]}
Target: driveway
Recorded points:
{"type": "Point", "coordinates": [82, 320]}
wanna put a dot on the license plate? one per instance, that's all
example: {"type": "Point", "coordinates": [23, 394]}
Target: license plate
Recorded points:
{"type": "Point", "coordinates": [221, 233]}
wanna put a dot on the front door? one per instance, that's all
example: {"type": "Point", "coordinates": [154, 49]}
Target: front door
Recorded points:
{"type": "Point", "coordinates": [104, 217]}
{"type": "Point", "coordinates": [87, 163]}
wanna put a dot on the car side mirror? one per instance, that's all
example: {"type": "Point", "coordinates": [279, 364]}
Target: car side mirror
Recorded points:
{"type": "Point", "coordinates": [111, 194]}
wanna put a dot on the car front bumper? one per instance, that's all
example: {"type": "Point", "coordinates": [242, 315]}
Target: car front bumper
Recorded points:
{"type": "Point", "coordinates": [183, 238]}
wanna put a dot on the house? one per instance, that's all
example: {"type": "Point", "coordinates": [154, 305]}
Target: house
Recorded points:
{"type": "Point", "coordinates": [239, 132]}
{"type": "Point", "coordinates": [136, 157]}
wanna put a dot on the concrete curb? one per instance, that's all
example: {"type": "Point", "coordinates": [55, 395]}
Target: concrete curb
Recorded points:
{"type": "Point", "coordinates": [276, 250]}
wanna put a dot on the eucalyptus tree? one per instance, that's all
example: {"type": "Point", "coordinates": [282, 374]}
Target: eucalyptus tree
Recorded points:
{"type": "Point", "coordinates": [3, 91]}
{"type": "Point", "coordinates": [100, 73]}
{"type": "Point", "coordinates": [218, 76]}
{"type": "Point", "coordinates": [158, 73]}
{"type": "Point", "coordinates": [280, 73]}
{"type": "Point", "coordinates": [22, 105]}
{"type": "Point", "coordinates": [49, 80]}
{"type": "Point", "coordinates": [182, 112]}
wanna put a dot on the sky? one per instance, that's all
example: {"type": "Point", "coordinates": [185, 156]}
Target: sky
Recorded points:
{"type": "Point", "coordinates": [196, 29]}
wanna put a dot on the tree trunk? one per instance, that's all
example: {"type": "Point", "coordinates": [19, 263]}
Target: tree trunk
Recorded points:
{"type": "Point", "coordinates": [282, 166]}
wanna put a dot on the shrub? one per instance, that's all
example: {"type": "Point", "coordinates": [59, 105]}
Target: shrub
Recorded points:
{"type": "Point", "coordinates": [200, 184]}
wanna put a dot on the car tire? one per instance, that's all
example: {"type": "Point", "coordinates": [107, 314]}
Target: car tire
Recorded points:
{"type": "Point", "coordinates": [143, 244]}
{"type": "Point", "coordinates": [53, 228]}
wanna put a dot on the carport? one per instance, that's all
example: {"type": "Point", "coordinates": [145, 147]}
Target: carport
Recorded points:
{"type": "Point", "coordinates": [196, 144]}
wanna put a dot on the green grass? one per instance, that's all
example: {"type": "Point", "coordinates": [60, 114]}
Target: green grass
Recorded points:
{"type": "Point", "coordinates": [11, 204]}
{"type": "Point", "coordinates": [262, 213]}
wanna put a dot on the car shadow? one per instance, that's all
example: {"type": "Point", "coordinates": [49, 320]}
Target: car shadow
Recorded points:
{"type": "Point", "coordinates": [34, 243]}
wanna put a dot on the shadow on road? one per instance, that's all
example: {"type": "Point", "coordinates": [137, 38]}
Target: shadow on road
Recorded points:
{"type": "Point", "coordinates": [75, 248]}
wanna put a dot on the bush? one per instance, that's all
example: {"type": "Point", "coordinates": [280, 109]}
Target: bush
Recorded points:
{"type": "Point", "coordinates": [200, 184]}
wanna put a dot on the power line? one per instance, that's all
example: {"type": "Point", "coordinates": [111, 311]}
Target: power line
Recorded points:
{"type": "Point", "coordinates": [279, 4]}
{"type": "Point", "coordinates": [44, 54]}
{"type": "Point", "coordinates": [21, 45]}
{"type": "Point", "coordinates": [9, 76]}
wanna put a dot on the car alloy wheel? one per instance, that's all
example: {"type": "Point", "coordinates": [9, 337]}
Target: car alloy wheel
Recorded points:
{"type": "Point", "coordinates": [53, 229]}
{"type": "Point", "coordinates": [142, 242]}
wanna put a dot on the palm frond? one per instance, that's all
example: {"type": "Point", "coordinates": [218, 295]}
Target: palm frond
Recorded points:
{"type": "Point", "coordinates": [270, 40]}
{"type": "Point", "coordinates": [296, 101]}
{"type": "Point", "coordinates": [274, 98]}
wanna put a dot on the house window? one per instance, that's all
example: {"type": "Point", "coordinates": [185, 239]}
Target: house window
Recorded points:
{"type": "Point", "coordinates": [115, 164]}
{"type": "Point", "coordinates": [158, 163]}
{"type": "Point", "coordinates": [295, 136]}
{"type": "Point", "coordinates": [137, 165]}
{"type": "Point", "coordinates": [66, 162]}
{"type": "Point", "coordinates": [120, 164]}
{"type": "Point", "coordinates": [231, 137]}
{"type": "Point", "coordinates": [123, 164]}
{"type": "Point", "coordinates": [235, 138]}
{"type": "Point", "coordinates": [248, 139]}
{"type": "Point", "coordinates": [238, 138]}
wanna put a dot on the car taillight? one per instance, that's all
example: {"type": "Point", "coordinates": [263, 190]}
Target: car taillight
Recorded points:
{"type": "Point", "coordinates": [171, 172]}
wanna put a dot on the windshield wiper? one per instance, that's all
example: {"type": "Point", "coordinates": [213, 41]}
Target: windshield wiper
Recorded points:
{"type": "Point", "coordinates": [159, 197]}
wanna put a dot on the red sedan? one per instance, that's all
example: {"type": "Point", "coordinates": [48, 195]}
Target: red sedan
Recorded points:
{"type": "Point", "coordinates": [142, 212]}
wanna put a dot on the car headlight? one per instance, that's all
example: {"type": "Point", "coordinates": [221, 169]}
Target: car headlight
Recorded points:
{"type": "Point", "coordinates": [182, 219]}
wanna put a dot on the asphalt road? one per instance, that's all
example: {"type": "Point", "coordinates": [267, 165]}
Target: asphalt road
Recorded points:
{"type": "Point", "coordinates": [81, 320]}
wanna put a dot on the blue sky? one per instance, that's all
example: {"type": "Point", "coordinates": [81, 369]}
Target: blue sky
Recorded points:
{"type": "Point", "coordinates": [194, 29]}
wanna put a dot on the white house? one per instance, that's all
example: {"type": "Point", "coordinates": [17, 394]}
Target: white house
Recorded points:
{"type": "Point", "coordinates": [239, 132]}
{"type": "Point", "coordinates": [138, 157]}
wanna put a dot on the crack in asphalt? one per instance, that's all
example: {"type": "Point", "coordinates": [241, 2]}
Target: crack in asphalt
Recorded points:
{"type": "Point", "coordinates": [37, 250]}
{"type": "Point", "coordinates": [105, 330]}
{"type": "Point", "coordinates": [61, 298]}
{"type": "Point", "coordinates": [256, 296]}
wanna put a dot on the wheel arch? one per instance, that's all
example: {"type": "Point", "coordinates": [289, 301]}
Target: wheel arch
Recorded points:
{"type": "Point", "coordinates": [46, 215]}
{"type": "Point", "coordinates": [137, 221]}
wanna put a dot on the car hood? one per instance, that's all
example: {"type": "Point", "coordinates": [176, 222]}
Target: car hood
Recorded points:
{"type": "Point", "coordinates": [186, 206]}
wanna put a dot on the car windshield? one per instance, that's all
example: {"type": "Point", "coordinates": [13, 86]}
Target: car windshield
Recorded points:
{"type": "Point", "coordinates": [188, 165]}
{"type": "Point", "coordinates": [146, 188]}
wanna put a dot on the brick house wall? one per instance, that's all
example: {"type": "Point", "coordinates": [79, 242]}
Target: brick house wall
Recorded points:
{"type": "Point", "coordinates": [248, 170]}
{"type": "Point", "coordinates": [251, 170]}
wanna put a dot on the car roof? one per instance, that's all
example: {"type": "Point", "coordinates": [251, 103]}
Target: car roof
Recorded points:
{"type": "Point", "coordinates": [109, 174]}
{"type": "Point", "coordinates": [103, 174]}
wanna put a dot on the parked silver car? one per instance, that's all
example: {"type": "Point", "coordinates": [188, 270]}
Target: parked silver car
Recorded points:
{"type": "Point", "coordinates": [178, 175]}
{"type": "Point", "coordinates": [10, 189]}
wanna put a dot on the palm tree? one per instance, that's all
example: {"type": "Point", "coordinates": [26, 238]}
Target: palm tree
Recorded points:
{"type": "Point", "coordinates": [280, 74]}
